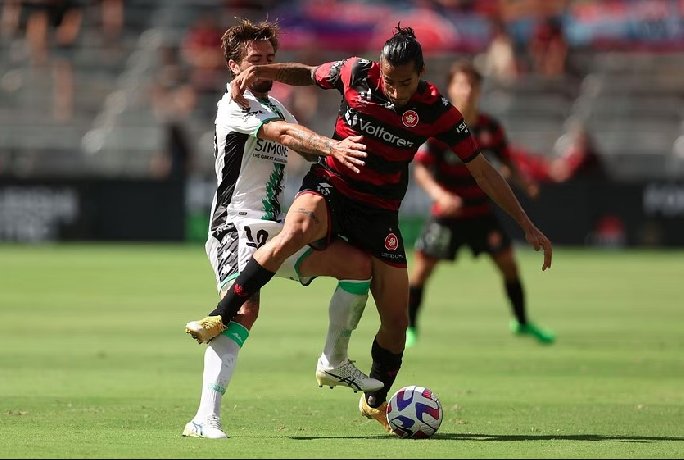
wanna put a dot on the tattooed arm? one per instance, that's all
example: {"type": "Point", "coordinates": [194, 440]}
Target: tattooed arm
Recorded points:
{"type": "Point", "coordinates": [350, 152]}
{"type": "Point", "coordinates": [291, 73]}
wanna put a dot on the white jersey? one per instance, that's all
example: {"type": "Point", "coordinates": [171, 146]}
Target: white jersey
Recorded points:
{"type": "Point", "coordinates": [250, 172]}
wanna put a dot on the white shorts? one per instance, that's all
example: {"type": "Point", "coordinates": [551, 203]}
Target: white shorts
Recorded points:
{"type": "Point", "coordinates": [239, 239]}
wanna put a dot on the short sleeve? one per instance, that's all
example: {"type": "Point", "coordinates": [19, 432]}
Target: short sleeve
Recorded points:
{"type": "Point", "coordinates": [453, 131]}
{"type": "Point", "coordinates": [236, 119]}
{"type": "Point", "coordinates": [333, 75]}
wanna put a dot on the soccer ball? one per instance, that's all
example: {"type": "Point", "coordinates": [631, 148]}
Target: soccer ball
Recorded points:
{"type": "Point", "coordinates": [414, 412]}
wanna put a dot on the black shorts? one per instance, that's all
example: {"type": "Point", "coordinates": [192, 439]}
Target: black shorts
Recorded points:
{"type": "Point", "coordinates": [441, 238]}
{"type": "Point", "coordinates": [374, 231]}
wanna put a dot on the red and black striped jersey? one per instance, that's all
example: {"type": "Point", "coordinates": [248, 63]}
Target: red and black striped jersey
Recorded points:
{"type": "Point", "coordinates": [453, 175]}
{"type": "Point", "coordinates": [392, 134]}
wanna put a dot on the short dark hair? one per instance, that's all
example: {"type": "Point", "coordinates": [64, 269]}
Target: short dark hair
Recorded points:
{"type": "Point", "coordinates": [403, 48]}
{"type": "Point", "coordinates": [466, 67]}
{"type": "Point", "coordinates": [235, 39]}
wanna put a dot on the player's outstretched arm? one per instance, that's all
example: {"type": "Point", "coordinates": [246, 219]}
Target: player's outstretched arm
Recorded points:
{"type": "Point", "coordinates": [349, 151]}
{"type": "Point", "coordinates": [290, 73]}
{"type": "Point", "coordinates": [491, 181]}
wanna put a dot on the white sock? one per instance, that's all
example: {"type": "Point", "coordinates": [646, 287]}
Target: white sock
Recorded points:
{"type": "Point", "coordinates": [344, 313]}
{"type": "Point", "coordinates": [220, 359]}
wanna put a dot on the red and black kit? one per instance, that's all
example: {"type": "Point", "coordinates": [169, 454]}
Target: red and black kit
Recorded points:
{"type": "Point", "coordinates": [370, 200]}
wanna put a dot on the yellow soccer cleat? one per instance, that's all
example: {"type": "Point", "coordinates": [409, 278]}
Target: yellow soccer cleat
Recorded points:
{"type": "Point", "coordinates": [378, 414]}
{"type": "Point", "coordinates": [205, 329]}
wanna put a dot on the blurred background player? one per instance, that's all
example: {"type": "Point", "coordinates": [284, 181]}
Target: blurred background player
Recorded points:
{"type": "Point", "coordinates": [251, 149]}
{"type": "Point", "coordinates": [462, 213]}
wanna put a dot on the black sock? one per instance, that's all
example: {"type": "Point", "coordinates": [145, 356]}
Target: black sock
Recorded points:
{"type": "Point", "coordinates": [516, 297]}
{"type": "Point", "coordinates": [415, 301]}
{"type": "Point", "coordinates": [385, 368]}
{"type": "Point", "coordinates": [248, 282]}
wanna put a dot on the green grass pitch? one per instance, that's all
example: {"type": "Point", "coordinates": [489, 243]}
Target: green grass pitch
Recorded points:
{"type": "Point", "coordinates": [94, 362]}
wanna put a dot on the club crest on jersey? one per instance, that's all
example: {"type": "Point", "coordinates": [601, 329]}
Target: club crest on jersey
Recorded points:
{"type": "Point", "coordinates": [410, 118]}
{"type": "Point", "coordinates": [391, 242]}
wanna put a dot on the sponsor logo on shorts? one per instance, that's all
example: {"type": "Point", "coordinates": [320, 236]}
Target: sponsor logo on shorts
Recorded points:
{"type": "Point", "coordinates": [392, 256]}
{"type": "Point", "coordinates": [410, 118]}
{"type": "Point", "coordinates": [391, 242]}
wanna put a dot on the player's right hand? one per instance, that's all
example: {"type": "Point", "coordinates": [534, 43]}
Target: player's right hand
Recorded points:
{"type": "Point", "coordinates": [349, 151]}
{"type": "Point", "coordinates": [538, 240]}
{"type": "Point", "coordinates": [449, 204]}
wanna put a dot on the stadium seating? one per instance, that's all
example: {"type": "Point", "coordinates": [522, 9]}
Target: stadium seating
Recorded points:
{"type": "Point", "coordinates": [632, 102]}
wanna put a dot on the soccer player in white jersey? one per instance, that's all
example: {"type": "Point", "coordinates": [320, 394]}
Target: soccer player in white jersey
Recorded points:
{"type": "Point", "coordinates": [251, 147]}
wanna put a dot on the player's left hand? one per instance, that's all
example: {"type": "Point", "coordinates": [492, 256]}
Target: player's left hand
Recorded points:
{"type": "Point", "coordinates": [538, 240]}
{"type": "Point", "coordinates": [240, 83]}
{"type": "Point", "coordinates": [349, 151]}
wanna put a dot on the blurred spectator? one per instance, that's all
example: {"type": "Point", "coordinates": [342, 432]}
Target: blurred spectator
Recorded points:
{"type": "Point", "coordinates": [173, 101]}
{"type": "Point", "coordinates": [46, 24]}
{"type": "Point", "coordinates": [575, 155]}
{"type": "Point", "coordinates": [532, 166]}
{"type": "Point", "coordinates": [249, 5]}
{"type": "Point", "coordinates": [51, 29]}
{"type": "Point", "coordinates": [201, 49]}
{"type": "Point", "coordinates": [548, 48]}
{"type": "Point", "coordinates": [499, 62]}
{"type": "Point", "coordinates": [112, 14]}
{"type": "Point", "coordinates": [444, 6]}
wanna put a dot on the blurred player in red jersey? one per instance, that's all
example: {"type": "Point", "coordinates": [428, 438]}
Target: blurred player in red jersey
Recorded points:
{"type": "Point", "coordinates": [462, 213]}
{"type": "Point", "coordinates": [395, 111]}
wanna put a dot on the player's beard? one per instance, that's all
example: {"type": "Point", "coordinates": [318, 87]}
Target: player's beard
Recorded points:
{"type": "Point", "coordinates": [263, 86]}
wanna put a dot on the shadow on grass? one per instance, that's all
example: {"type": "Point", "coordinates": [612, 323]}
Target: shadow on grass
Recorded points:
{"type": "Point", "coordinates": [512, 438]}
{"type": "Point", "coordinates": [552, 437]}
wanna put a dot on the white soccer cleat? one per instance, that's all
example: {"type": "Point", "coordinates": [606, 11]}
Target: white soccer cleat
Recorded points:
{"type": "Point", "coordinates": [348, 375]}
{"type": "Point", "coordinates": [207, 428]}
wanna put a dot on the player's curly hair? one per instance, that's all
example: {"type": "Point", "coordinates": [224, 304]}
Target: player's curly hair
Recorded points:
{"type": "Point", "coordinates": [403, 48]}
{"type": "Point", "coordinates": [235, 39]}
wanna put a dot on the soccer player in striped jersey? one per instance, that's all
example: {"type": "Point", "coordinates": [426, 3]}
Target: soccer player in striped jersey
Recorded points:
{"type": "Point", "coordinates": [462, 213]}
{"type": "Point", "coordinates": [251, 147]}
{"type": "Point", "coordinates": [394, 111]}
